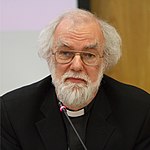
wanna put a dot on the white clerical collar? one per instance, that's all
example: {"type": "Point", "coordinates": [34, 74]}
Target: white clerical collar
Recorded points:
{"type": "Point", "coordinates": [75, 113]}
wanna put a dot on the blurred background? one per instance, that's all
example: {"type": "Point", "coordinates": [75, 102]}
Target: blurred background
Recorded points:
{"type": "Point", "coordinates": [132, 19]}
{"type": "Point", "coordinates": [22, 21]}
{"type": "Point", "coordinates": [20, 24]}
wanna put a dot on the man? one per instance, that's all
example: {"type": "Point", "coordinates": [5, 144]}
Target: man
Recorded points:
{"type": "Point", "coordinates": [107, 114]}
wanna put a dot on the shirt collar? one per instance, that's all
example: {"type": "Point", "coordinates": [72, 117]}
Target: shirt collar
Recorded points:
{"type": "Point", "coordinates": [80, 112]}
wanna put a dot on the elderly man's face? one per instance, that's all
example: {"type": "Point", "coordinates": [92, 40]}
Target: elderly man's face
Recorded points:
{"type": "Point", "coordinates": [84, 37]}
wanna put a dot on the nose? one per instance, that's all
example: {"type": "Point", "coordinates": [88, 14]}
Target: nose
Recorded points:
{"type": "Point", "coordinates": [76, 64]}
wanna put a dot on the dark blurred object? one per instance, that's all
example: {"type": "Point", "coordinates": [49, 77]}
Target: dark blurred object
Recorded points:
{"type": "Point", "coordinates": [84, 4]}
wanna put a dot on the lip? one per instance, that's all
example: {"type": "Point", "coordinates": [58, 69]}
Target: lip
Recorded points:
{"type": "Point", "coordinates": [75, 80]}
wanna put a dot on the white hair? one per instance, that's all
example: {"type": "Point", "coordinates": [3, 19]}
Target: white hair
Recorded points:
{"type": "Point", "coordinates": [112, 45]}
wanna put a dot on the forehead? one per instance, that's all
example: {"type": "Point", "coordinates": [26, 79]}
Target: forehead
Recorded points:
{"type": "Point", "coordinates": [71, 33]}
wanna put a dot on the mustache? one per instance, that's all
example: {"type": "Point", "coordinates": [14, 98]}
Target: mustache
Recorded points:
{"type": "Point", "coordinates": [75, 75]}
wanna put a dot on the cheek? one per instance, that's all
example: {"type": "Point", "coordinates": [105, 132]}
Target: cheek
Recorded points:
{"type": "Point", "coordinates": [93, 74]}
{"type": "Point", "coordinates": [60, 70]}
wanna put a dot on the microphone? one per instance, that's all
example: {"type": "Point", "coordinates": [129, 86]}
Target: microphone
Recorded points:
{"type": "Point", "coordinates": [63, 109]}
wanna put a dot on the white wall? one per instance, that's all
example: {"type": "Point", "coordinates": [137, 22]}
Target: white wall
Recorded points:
{"type": "Point", "coordinates": [21, 22]}
{"type": "Point", "coordinates": [19, 60]}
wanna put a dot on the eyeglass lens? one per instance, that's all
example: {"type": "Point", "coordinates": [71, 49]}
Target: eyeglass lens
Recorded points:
{"type": "Point", "coordinates": [67, 56]}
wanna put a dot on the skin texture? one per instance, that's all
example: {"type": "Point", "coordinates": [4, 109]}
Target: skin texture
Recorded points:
{"type": "Point", "coordinates": [78, 37]}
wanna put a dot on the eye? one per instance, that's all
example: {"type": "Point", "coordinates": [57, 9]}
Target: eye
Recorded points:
{"type": "Point", "coordinates": [89, 55]}
{"type": "Point", "coordinates": [65, 54]}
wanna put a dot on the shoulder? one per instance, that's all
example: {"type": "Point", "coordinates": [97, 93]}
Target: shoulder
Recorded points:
{"type": "Point", "coordinates": [27, 95]}
{"type": "Point", "coordinates": [124, 96]}
{"type": "Point", "coordinates": [122, 89]}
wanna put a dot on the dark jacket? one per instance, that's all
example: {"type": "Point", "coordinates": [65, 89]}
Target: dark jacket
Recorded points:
{"type": "Point", "coordinates": [119, 119]}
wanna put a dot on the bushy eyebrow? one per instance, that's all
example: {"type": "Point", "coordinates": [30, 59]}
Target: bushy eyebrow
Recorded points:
{"type": "Point", "coordinates": [92, 46]}
{"type": "Point", "coordinates": [95, 45]}
{"type": "Point", "coordinates": [61, 43]}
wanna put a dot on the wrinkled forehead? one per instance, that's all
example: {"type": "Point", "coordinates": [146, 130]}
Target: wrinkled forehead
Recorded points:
{"type": "Point", "coordinates": [80, 30]}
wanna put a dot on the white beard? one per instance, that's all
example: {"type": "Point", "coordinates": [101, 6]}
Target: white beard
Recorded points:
{"type": "Point", "coordinates": [76, 95]}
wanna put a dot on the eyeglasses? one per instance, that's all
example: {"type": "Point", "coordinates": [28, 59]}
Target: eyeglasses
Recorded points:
{"type": "Point", "coordinates": [66, 56]}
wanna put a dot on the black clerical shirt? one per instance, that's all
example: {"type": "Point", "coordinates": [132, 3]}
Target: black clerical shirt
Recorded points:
{"type": "Point", "coordinates": [80, 123]}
